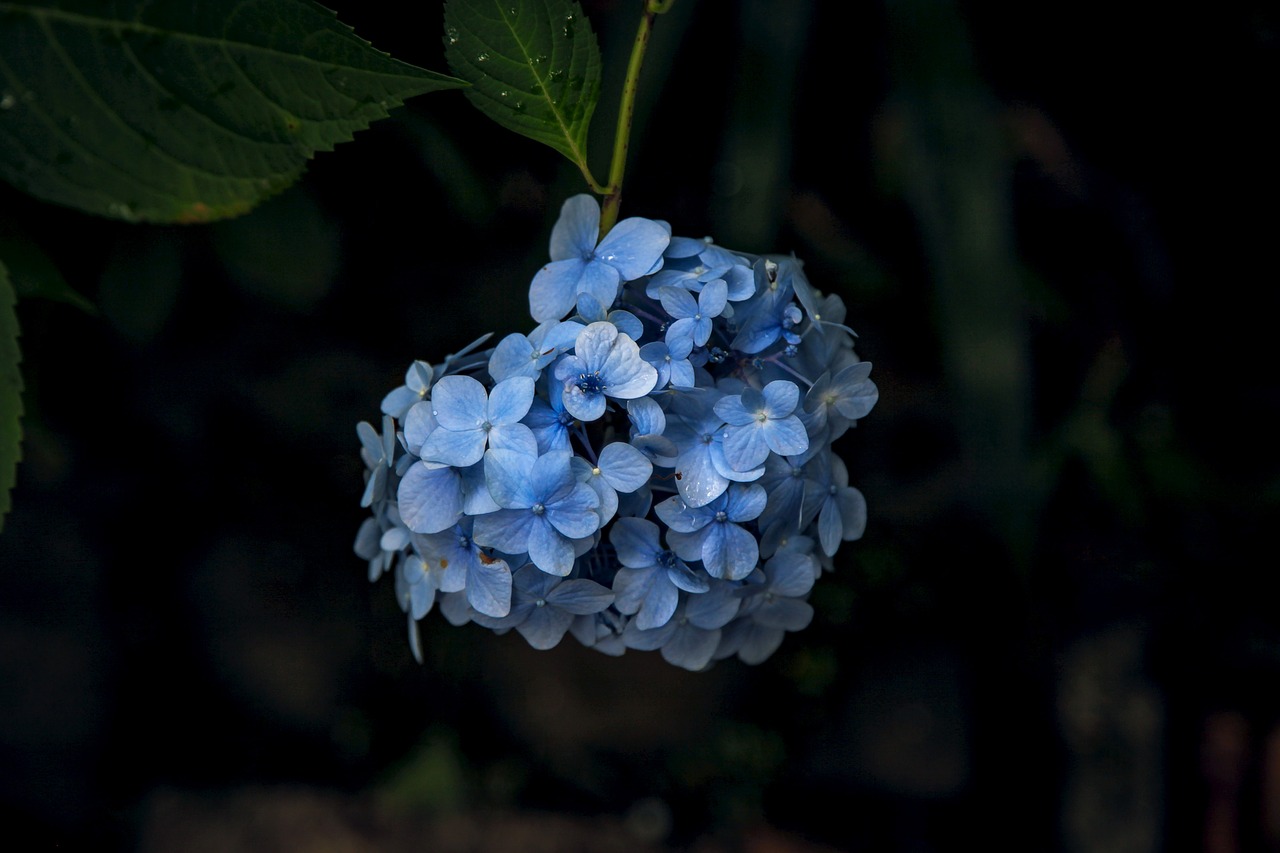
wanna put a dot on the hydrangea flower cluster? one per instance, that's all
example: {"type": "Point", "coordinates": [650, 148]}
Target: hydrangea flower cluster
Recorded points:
{"type": "Point", "coordinates": [649, 468]}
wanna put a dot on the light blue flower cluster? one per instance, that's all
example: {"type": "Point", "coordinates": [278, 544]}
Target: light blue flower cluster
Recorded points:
{"type": "Point", "coordinates": [649, 468]}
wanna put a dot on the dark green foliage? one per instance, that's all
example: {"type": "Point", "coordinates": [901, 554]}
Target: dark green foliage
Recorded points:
{"type": "Point", "coordinates": [166, 112]}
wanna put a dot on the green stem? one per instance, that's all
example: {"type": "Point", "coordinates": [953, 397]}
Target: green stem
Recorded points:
{"type": "Point", "coordinates": [626, 110]}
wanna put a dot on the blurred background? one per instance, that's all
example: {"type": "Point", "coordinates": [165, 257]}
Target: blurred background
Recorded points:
{"type": "Point", "coordinates": [1052, 225]}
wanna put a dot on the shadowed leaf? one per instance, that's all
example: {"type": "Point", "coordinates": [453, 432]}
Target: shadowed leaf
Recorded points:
{"type": "Point", "coordinates": [534, 67]}
{"type": "Point", "coordinates": [182, 112]}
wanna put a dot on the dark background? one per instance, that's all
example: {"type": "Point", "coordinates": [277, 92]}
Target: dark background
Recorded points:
{"type": "Point", "coordinates": [1053, 225]}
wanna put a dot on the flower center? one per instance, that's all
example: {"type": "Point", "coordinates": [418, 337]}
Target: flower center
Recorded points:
{"type": "Point", "coordinates": [666, 559]}
{"type": "Point", "coordinates": [722, 516]}
{"type": "Point", "coordinates": [590, 383]}
{"type": "Point", "coordinates": [538, 509]}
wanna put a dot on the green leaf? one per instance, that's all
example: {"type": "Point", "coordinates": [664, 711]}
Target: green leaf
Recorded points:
{"type": "Point", "coordinates": [32, 273]}
{"type": "Point", "coordinates": [160, 111]}
{"type": "Point", "coordinates": [534, 67]}
{"type": "Point", "coordinates": [10, 393]}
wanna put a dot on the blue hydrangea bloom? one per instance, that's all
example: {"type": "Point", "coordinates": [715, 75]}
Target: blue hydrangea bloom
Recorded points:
{"type": "Point", "coordinates": [650, 468]}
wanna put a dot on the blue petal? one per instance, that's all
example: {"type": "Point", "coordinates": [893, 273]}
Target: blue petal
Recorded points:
{"type": "Point", "coordinates": [513, 356]}
{"type": "Point", "coordinates": [634, 246]}
{"type": "Point", "coordinates": [554, 287]}
{"type": "Point", "coordinates": [577, 229]}
{"type": "Point", "coordinates": [508, 530]}
{"type": "Point", "coordinates": [580, 597]}
{"type": "Point", "coordinates": [697, 479]}
{"type": "Point", "coordinates": [548, 550]}
{"type": "Point", "coordinates": [780, 398]}
{"type": "Point", "coordinates": [457, 448]}
{"type": "Point", "coordinates": [636, 542]}
{"type": "Point", "coordinates": [430, 498]}
{"type": "Point", "coordinates": [592, 347]}
{"type": "Point", "coordinates": [647, 417]}
{"type": "Point", "coordinates": [507, 473]}
{"type": "Point", "coordinates": [516, 437]}
{"type": "Point", "coordinates": [489, 588]}
{"type": "Point", "coordinates": [786, 436]}
{"type": "Point", "coordinates": [624, 467]}
{"type": "Point", "coordinates": [572, 515]}
{"type": "Point", "coordinates": [691, 648]}
{"type": "Point", "coordinates": [601, 281]}
{"type": "Point", "coordinates": [745, 447]}
{"type": "Point", "coordinates": [509, 400]}
{"type": "Point", "coordinates": [545, 627]}
{"type": "Point", "coordinates": [659, 603]}
{"type": "Point", "coordinates": [458, 402]}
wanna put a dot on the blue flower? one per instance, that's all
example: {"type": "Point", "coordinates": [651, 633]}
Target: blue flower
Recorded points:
{"type": "Point", "coordinates": [712, 534]}
{"type": "Point", "coordinates": [543, 508]}
{"type": "Point", "coordinates": [605, 363]}
{"type": "Point", "coordinates": [761, 421]}
{"type": "Point", "coordinates": [544, 606]}
{"type": "Point", "coordinates": [692, 324]}
{"type": "Point", "coordinates": [467, 419]}
{"type": "Point", "coordinates": [633, 248]}
{"type": "Point", "coordinates": [649, 585]}
{"type": "Point", "coordinates": [486, 579]}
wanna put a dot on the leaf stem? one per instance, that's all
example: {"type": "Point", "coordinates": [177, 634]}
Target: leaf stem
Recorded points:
{"type": "Point", "coordinates": [626, 110]}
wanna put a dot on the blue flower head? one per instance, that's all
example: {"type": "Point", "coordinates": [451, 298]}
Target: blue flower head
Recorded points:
{"type": "Point", "coordinates": [649, 468]}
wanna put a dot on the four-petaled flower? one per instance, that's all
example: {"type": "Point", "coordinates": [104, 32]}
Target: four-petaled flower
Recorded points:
{"type": "Point", "coordinates": [631, 249]}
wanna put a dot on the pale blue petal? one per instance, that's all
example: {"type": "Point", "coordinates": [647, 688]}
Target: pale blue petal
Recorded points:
{"type": "Point", "coordinates": [678, 302]}
{"type": "Point", "coordinates": [732, 410]}
{"type": "Point", "coordinates": [592, 347]}
{"type": "Point", "coordinates": [786, 436]}
{"type": "Point", "coordinates": [489, 588]}
{"type": "Point", "coordinates": [458, 402]}
{"type": "Point", "coordinates": [418, 424]}
{"type": "Point", "coordinates": [780, 398]}
{"type": "Point", "coordinates": [583, 406]}
{"type": "Point", "coordinates": [634, 246]}
{"type": "Point", "coordinates": [430, 498]}
{"type": "Point", "coordinates": [687, 579]}
{"type": "Point", "coordinates": [646, 416]}
{"type": "Point", "coordinates": [509, 400]}
{"type": "Point", "coordinates": [551, 478]}
{"type": "Point", "coordinates": [601, 281]}
{"type": "Point", "coordinates": [791, 573]}
{"type": "Point", "coordinates": [508, 530]}
{"type": "Point", "coordinates": [714, 609]}
{"type": "Point", "coordinates": [515, 437]}
{"type": "Point", "coordinates": [577, 229]}
{"type": "Point", "coordinates": [853, 513]}
{"type": "Point", "coordinates": [659, 604]}
{"type": "Point", "coordinates": [507, 473]}
{"type": "Point", "coordinates": [513, 356]}
{"type": "Point", "coordinates": [712, 300]}
{"type": "Point", "coordinates": [746, 502]}
{"type": "Point", "coordinates": [572, 515]}
{"type": "Point", "coordinates": [697, 479]}
{"type": "Point", "coordinates": [630, 587]}
{"type": "Point", "coordinates": [580, 597]}
{"type": "Point", "coordinates": [548, 550]}
{"type": "Point", "coordinates": [681, 516]}
{"type": "Point", "coordinates": [459, 449]}
{"type": "Point", "coordinates": [551, 294]}
{"type": "Point", "coordinates": [636, 542]}
{"type": "Point", "coordinates": [745, 447]}
{"type": "Point", "coordinates": [624, 467]}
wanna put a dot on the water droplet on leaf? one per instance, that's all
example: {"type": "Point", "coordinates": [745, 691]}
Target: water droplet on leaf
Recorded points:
{"type": "Point", "coordinates": [7, 100]}
{"type": "Point", "coordinates": [452, 34]}
{"type": "Point", "coordinates": [484, 57]}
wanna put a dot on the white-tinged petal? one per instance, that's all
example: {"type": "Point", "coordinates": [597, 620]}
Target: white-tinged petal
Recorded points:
{"type": "Point", "coordinates": [577, 229]}
{"type": "Point", "coordinates": [458, 402]}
